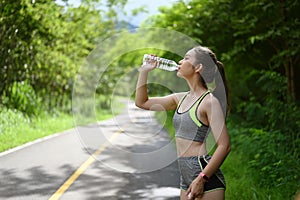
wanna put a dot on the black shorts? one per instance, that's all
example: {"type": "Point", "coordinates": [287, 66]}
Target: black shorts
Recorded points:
{"type": "Point", "coordinates": [190, 168]}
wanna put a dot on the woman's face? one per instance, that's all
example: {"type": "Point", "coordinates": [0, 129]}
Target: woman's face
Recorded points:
{"type": "Point", "coordinates": [187, 64]}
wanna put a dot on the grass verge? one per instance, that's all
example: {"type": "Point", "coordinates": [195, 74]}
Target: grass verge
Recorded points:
{"type": "Point", "coordinates": [28, 130]}
{"type": "Point", "coordinates": [241, 181]}
{"type": "Point", "coordinates": [17, 129]}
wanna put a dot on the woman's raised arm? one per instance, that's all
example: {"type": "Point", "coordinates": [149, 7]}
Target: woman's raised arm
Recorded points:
{"type": "Point", "coordinates": [142, 100]}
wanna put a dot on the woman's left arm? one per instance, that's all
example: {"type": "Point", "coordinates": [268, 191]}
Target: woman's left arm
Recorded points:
{"type": "Point", "coordinates": [218, 127]}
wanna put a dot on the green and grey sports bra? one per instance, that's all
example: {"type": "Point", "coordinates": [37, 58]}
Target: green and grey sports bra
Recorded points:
{"type": "Point", "coordinates": [187, 124]}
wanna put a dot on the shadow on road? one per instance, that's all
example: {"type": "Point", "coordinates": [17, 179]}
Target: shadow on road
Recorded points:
{"type": "Point", "coordinates": [37, 171]}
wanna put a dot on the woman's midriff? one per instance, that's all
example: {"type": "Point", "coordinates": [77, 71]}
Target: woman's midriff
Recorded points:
{"type": "Point", "coordinates": [188, 148]}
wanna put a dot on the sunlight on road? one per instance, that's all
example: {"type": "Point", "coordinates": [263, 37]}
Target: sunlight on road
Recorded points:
{"type": "Point", "coordinates": [158, 193]}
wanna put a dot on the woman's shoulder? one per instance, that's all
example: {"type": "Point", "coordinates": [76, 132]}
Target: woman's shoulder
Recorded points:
{"type": "Point", "coordinates": [179, 95]}
{"type": "Point", "coordinates": [210, 100]}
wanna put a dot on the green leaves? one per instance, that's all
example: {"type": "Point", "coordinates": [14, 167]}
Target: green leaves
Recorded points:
{"type": "Point", "coordinates": [23, 98]}
{"type": "Point", "coordinates": [256, 34]}
{"type": "Point", "coordinates": [43, 44]}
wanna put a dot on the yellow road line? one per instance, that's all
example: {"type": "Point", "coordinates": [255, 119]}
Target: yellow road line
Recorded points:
{"type": "Point", "coordinates": [82, 168]}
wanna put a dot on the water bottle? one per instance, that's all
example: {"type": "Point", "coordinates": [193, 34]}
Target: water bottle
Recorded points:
{"type": "Point", "coordinates": [162, 63]}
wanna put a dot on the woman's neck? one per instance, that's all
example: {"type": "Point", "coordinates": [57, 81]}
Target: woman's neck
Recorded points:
{"type": "Point", "coordinates": [196, 87]}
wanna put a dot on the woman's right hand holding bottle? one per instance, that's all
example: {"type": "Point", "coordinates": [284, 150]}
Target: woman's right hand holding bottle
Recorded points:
{"type": "Point", "coordinates": [148, 65]}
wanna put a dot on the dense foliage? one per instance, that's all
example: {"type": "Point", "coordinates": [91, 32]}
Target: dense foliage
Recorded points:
{"type": "Point", "coordinates": [42, 48]}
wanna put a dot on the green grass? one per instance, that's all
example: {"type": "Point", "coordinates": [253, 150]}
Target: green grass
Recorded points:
{"type": "Point", "coordinates": [242, 182]}
{"type": "Point", "coordinates": [17, 129]}
{"type": "Point", "coordinates": [32, 129]}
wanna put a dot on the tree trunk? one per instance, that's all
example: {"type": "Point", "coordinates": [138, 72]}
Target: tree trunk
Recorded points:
{"type": "Point", "coordinates": [289, 72]}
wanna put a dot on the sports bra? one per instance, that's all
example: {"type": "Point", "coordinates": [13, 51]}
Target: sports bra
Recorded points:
{"type": "Point", "coordinates": [187, 124]}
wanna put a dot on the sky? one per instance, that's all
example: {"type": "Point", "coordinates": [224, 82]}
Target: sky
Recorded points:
{"type": "Point", "coordinates": [150, 5]}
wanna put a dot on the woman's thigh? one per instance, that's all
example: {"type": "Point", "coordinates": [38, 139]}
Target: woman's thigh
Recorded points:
{"type": "Point", "coordinates": [213, 195]}
{"type": "Point", "coordinates": [183, 195]}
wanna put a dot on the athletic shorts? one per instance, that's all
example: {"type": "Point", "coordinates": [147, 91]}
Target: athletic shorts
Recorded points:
{"type": "Point", "coordinates": [190, 168]}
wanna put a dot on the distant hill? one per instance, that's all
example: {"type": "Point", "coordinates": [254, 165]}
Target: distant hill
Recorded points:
{"type": "Point", "coordinates": [125, 25]}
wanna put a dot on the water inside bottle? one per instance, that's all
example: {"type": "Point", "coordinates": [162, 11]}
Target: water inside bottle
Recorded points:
{"type": "Point", "coordinates": [163, 63]}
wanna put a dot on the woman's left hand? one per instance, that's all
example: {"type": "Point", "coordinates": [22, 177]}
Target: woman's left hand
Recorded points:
{"type": "Point", "coordinates": [196, 188]}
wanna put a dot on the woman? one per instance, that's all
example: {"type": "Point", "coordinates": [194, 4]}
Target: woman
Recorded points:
{"type": "Point", "coordinates": [197, 112]}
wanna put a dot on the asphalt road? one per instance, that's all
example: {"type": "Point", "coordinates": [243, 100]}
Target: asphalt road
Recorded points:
{"type": "Point", "coordinates": [127, 157]}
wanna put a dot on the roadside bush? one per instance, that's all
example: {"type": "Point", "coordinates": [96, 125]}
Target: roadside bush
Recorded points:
{"type": "Point", "coordinates": [10, 118]}
{"type": "Point", "coordinates": [23, 98]}
{"type": "Point", "coordinates": [267, 133]}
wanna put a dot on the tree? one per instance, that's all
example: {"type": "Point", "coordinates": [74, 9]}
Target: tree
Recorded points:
{"type": "Point", "coordinates": [44, 45]}
{"type": "Point", "coordinates": [248, 34]}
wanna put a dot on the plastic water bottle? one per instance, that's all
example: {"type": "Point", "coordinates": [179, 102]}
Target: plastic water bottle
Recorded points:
{"type": "Point", "coordinates": [163, 63]}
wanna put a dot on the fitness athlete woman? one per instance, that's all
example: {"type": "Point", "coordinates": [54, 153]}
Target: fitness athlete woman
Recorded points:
{"type": "Point", "coordinates": [198, 112]}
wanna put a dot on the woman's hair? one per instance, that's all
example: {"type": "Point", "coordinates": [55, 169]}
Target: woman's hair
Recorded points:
{"type": "Point", "coordinates": [213, 75]}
